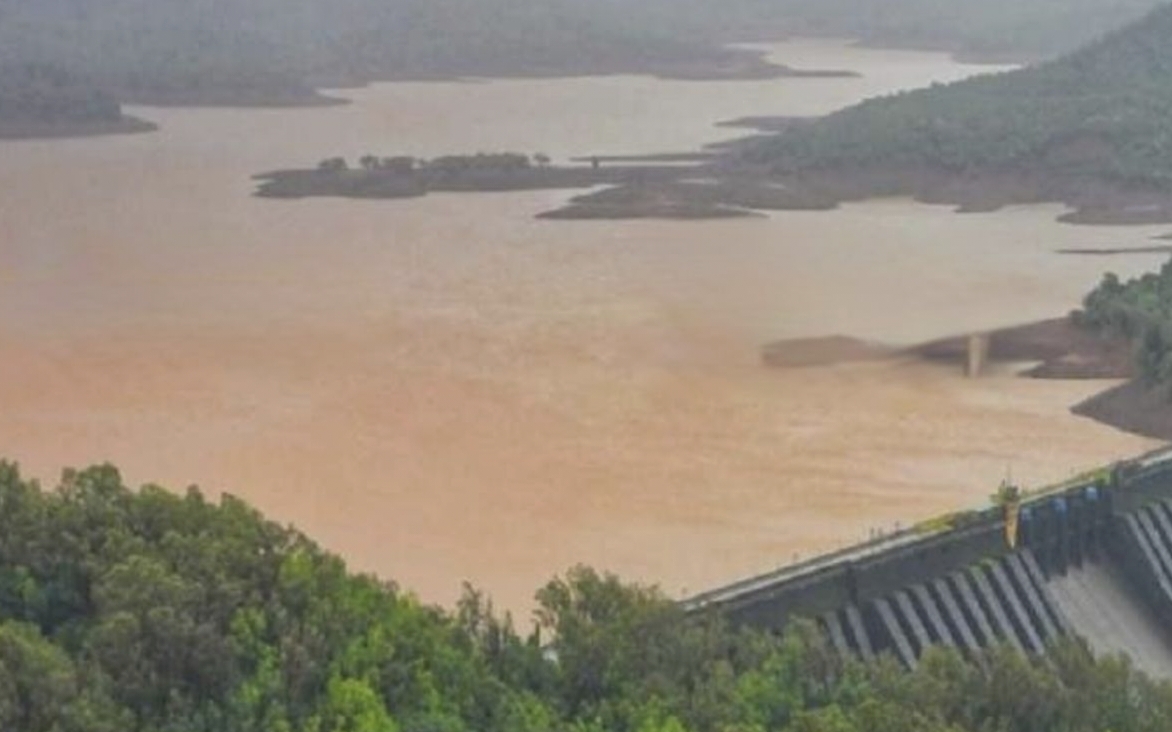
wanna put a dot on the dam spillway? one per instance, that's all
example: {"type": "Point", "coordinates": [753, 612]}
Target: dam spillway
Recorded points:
{"type": "Point", "coordinates": [1091, 557]}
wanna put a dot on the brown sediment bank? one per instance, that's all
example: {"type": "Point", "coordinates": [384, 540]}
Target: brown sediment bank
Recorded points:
{"type": "Point", "coordinates": [1056, 348]}
{"type": "Point", "coordinates": [1094, 202]}
{"type": "Point", "coordinates": [696, 198]}
{"type": "Point", "coordinates": [825, 351]}
{"type": "Point", "coordinates": [670, 157]}
{"type": "Point", "coordinates": [30, 130]}
{"type": "Point", "coordinates": [746, 68]}
{"type": "Point", "coordinates": [766, 123]}
{"type": "Point", "coordinates": [695, 192]}
{"type": "Point", "coordinates": [1132, 407]}
{"type": "Point", "coordinates": [275, 97]}
{"type": "Point", "coordinates": [1061, 349]}
{"type": "Point", "coordinates": [1109, 252]}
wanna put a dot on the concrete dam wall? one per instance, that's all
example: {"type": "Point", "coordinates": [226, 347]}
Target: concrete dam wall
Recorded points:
{"type": "Point", "coordinates": [1092, 557]}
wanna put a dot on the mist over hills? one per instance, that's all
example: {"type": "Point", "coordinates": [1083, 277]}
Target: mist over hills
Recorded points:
{"type": "Point", "coordinates": [992, 29]}
{"type": "Point", "coordinates": [221, 50]}
{"type": "Point", "coordinates": [277, 51]}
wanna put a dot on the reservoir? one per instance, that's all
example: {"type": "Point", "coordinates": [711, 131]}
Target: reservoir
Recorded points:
{"type": "Point", "coordinates": [447, 389]}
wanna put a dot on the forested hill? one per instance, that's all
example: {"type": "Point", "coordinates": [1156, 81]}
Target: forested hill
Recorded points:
{"type": "Point", "coordinates": [30, 92]}
{"type": "Point", "coordinates": [149, 611]}
{"type": "Point", "coordinates": [983, 29]}
{"type": "Point", "coordinates": [275, 51]}
{"type": "Point", "coordinates": [1102, 112]}
{"type": "Point", "coordinates": [37, 100]}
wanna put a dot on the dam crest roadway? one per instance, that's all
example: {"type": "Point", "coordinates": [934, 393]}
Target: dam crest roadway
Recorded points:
{"type": "Point", "coordinates": [1091, 557]}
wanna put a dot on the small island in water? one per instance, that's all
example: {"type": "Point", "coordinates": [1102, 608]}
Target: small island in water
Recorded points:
{"type": "Point", "coordinates": [409, 177]}
{"type": "Point", "coordinates": [698, 185]}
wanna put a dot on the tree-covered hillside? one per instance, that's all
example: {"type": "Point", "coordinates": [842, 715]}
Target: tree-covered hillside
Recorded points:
{"type": "Point", "coordinates": [229, 51]}
{"type": "Point", "coordinates": [1140, 311]}
{"type": "Point", "coordinates": [39, 93]}
{"type": "Point", "coordinates": [38, 100]}
{"type": "Point", "coordinates": [147, 611]}
{"type": "Point", "coordinates": [1005, 28]}
{"type": "Point", "coordinates": [1102, 112]}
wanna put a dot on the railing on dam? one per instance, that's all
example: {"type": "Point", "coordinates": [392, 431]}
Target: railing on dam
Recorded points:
{"type": "Point", "coordinates": [798, 570]}
{"type": "Point", "coordinates": [964, 580]}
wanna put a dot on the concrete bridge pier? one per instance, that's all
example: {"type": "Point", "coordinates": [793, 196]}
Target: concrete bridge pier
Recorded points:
{"type": "Point", "coordinates": [978, 355]}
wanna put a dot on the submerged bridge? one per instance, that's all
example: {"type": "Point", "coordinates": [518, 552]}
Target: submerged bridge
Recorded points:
{"type": "Point", "coordinates": [1091, 557]}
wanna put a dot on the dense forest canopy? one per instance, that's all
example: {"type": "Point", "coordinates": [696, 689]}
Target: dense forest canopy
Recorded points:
{"type": "Point", "coordinates": [225, 50]}
{"type": "Point", "coordinates": [150, 611]}
{"type": "Point", "coordinates": [1139, 310]}
{"type": "Point", "coordinates": [1104, 111]}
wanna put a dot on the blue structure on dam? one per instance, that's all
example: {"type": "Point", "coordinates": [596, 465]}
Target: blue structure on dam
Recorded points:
{"type": "Point", "coordinates": [1092, 557]}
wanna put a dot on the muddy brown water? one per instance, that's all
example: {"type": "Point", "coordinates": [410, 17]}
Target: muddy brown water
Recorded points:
{"type": "Point", "coordinates": [447, 389]}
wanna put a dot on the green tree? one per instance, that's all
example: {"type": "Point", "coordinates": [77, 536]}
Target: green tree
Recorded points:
{"type": "Point", "coordinates": [352, 706]}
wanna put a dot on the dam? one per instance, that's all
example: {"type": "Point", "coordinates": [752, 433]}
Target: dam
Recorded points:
{"type": "Point", "coordinates": [1091, 557]}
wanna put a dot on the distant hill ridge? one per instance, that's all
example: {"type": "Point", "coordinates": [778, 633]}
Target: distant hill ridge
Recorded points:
{"type": "Point", "coordinates": [276, 51]}
{"type": "Point", "coordinates": [1103, 112]}
{"type": "Point", "coordinates": [45, 101]}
